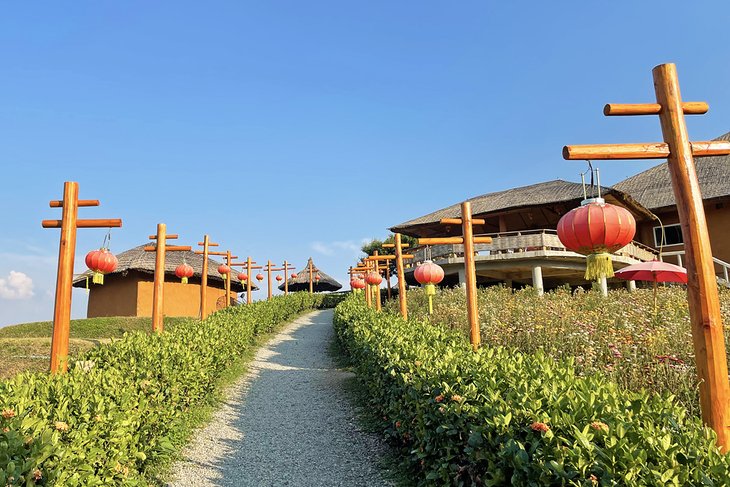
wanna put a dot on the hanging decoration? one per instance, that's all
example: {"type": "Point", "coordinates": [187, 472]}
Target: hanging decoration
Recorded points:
{"type": "Point", "coordinates": [101, 262]}
{"type": "Point", "coordinates": [184, 271]}
{"type": "Point", "coordinates": [293, 275]}
{"type": "Point", "coordinates": [428, 275]}
{"type": "Point", "coordinates": [596, 229]}
{"type": "Point", "coordinates": [259, 277]}
{"type": "Point", "coordinates": [279, 278]}
{"type": "Point", "coordinates": [224, 270]}
{"type": "Point", "coordinates": [242, 276]}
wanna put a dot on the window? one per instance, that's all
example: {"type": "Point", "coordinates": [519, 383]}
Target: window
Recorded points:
{"type": "Point", "coordinates": [672, 235]}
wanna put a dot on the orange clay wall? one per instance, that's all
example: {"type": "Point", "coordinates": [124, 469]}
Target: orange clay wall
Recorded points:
{"type": "Point", "coordinates": [180, 299]}
{"type": "Point", "coordinates": [117, 297]}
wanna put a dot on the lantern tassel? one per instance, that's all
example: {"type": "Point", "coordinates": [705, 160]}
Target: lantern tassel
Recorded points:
{"type": "Point", "coordinates": [184, 280]}
{"type": "Point", "coordinates": [98, 278]}
{"type": "Point", "coordinates": [598, 266]}
{"type": "Point", "coordinates": [87, 284]}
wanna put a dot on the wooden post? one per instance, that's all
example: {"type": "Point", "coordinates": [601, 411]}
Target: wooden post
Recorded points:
{"type": "Point", "coordinates": [704, 305]}
{"type": "Point", "coordinates": [468, 240]}
{"type": "Point", "coordinates": [226, 279]}
{"type": "Point", "coordinates": [206, 243]}
{"type": "Point", "coordinates": [68, 224]}
{"type": "Point", "coordinates": [311, 278]}
{"type": "Point", "coordinates": [249, 266]}
{"type": "Point", "coordinates": [158, 286]}
{"type": "Point", "coordinates": [402, 300]}
{"type": "Point", "coordinates": [287, 267]}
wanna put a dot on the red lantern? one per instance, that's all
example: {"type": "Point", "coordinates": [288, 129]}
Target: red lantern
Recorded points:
{"type": "Point", "coordinates": [101, 262]}
{"type": "Point", "coordinates": [279, 278]}
{"type": "Point", "coordinates": [428, 273]}
{"type": "Point", "coordinates": [183, 271]}
{"type": "Point", "coordinates": [373, 278]}
{"type": "Point", "coordinates": [317, 278]}
{"type": "Point", "coordinates": [596, 229]}
{"type": "Point", "coordinates": [242, 276]}
{"type": "Point", "coordinates": [357, 283]}
{"type": "Point", "coordinates": [260, 277]}
{"type": "Point", "coordinates": [223, 270]}
{"type": "Point", "coordinates": [293, 276]}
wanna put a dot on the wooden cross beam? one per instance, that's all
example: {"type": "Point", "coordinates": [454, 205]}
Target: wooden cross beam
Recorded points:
{"type": "Point", "coordinates": [269, 269]}
{"type": "Point", "coordinates": [704, 304]}
{"type": "Point", "coordinates": [68, 224]}
{"type": "Point", "coordinates": [158, 287]}
{"type": "Point", "coordinates": [468, 240]}
{"type": "Point", "coordinates": [249, 265]}
{"type": "Point", "coordinates": [226, 278]}
{"type": "Point", "coordinates": [206, 243]}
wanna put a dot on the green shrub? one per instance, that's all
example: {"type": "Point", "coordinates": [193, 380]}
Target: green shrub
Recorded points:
{"type": "Point", "coordinates": [118, 410]}
{"type": "Point", "coordinates": [501, 417]}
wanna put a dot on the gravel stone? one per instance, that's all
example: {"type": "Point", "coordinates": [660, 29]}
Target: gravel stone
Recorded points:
{"type": "Point", "coordinates": [288, 422]}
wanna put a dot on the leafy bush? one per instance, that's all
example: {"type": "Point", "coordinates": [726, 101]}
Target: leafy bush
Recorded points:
{"type": "Point", "coordinates": [501, 417]}
{"type": "Point", "coordinates": [117, 411]}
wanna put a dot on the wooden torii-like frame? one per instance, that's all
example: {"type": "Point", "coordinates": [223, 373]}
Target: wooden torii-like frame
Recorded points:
{"type": "Point", "coordinates": [399, 258]}
{"type": "Point", "coordinates": [468, 240]}
{"type": "Point", "coordinates": [286, 266]}
{"type": "Point", "coordinates": [269, 269]}
{"type": "Point", "coordinates": [249, 265]}
{"type": "Point", "coordinates": [227, 280]}
{"type": "Point", "coordinates": [364, 268]}
{"type": "Point", "coordinates": [373, 262]}
{"type": "Point", "coordinates": [704, 303]}
{"type": "Point", "coordinates": [68, 224]}
{"type": "Point", "coordinates": [312, 270]}
{"type": "Point", "coordinates": [158, 287]}
{"type": "Point", "coordinates": [206, 244]}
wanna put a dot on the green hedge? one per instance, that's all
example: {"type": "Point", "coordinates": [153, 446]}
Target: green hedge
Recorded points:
{"type": "Point", "coordinates": [499, 417]}
{"type": "Point", "coordinates": [119, 409]}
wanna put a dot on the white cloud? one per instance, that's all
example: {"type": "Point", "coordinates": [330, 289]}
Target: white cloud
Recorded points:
{"type": "Point", "coordinates": [349, 247]}
{"type": "Point", "coordinates": [16, 286]}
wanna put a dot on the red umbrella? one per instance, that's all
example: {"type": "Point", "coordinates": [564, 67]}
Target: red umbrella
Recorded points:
{"type": "Point", "coordinates": [654, 271]}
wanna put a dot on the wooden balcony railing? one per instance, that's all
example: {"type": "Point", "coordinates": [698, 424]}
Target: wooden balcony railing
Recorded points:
{"type": "Point", "coordinates": [516, 242]}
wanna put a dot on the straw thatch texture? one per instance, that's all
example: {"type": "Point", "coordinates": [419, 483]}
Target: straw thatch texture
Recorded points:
{"type": "Point", "coordinates": [550, 192]}
{"type": "Point", "coordinates": [653, 187]}
{"type": "Point", "coordinates": [137, 259]}
{"type": "Point", "coordinates": [301, 282]}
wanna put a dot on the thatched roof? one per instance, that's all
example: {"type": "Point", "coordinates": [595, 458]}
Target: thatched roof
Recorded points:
{"type": "Point", "coordinates": [535, 195]}
{"type": "Point", "coordinates": [653, 187]}
{"type": "Point", "coordinates": [137, 259]}
{"type": "Point", "coordinates": [301, 282]}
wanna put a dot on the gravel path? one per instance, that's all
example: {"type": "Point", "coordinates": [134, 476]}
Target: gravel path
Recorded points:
{"type": "Point", "coordinates": [288, 422]}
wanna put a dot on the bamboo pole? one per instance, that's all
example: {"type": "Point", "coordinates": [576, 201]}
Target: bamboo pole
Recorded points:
{"type": "Point", "coordinates": [69, 223]}
{"type": "Point", "coordinates": [704, 307]}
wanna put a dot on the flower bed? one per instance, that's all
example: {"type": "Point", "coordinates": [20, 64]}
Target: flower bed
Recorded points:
{"type": "Point", "coordinates": [500, 417]}
{"type": "Point", "coordinates": [117, 412]}
{"type": "Point", "coordinates": [620, 337]}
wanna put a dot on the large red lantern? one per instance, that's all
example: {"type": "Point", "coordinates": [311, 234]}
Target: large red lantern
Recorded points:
{"type": "Point", "coordinates": [596, 229]}
{"type": "Point", "coordinates": [356, 283]}
{"type": "Point", "coordinates": [279, 278]}
{"type": "Point", "coordinates": [293, 276]}
{"type": "Point", "coordinates": [101, 262]}
{"type": "Point", "coordinates": [428, 275]}
{"type": "Point", "coordinates": [260, 277]}
{"type": "Point", "coordinates": [317, 278]}
{"type": "Point", "coordinates": [184, 271]}
{"type": "Point", "coordinates": [373, 278]}
{"type": "Point", "coordinates": [223, 270]}
{"type": "Point", "coordinates": [242, 276]}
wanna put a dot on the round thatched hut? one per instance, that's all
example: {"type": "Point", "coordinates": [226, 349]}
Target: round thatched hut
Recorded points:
{"type": "Point", "coordinates": [302, 281]}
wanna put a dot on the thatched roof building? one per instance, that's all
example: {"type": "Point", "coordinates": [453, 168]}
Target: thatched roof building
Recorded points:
{"type": "Point", "coordinates": [128, 291]}
{"type": "Point", "coordinates": [653, 187]}
{"type": "Point", "coordinates": [301, 282]}
{"type": "Point", "coordinates": [525, 208]}
{"type": "Point", "coordinates": [136, 259]}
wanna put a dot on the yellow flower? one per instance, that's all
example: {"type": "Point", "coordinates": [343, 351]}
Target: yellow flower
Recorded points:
{"type": "Point", "coordinates": [61, 426]}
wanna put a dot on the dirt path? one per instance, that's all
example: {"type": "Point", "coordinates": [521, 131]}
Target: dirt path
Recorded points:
{"type": "Point", "coordinates": [288, 422]}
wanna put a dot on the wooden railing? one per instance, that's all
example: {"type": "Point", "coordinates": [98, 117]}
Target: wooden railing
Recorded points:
{"type": "Point", "coordinates": [527, 241]}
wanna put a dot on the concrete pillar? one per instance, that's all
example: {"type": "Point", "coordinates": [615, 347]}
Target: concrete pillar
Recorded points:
{"type": "Point", "coordinates": [631, 286]}
{"type": "Point", "coordinates": [462, 278]}
{"type": "Point", "coordinates": [604, 286]}
{"type": "Point", "coordinates": [537, 280]}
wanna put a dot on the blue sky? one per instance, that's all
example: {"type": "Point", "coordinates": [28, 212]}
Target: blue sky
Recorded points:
{"type": "Point", "coordinates": [286, 129]}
